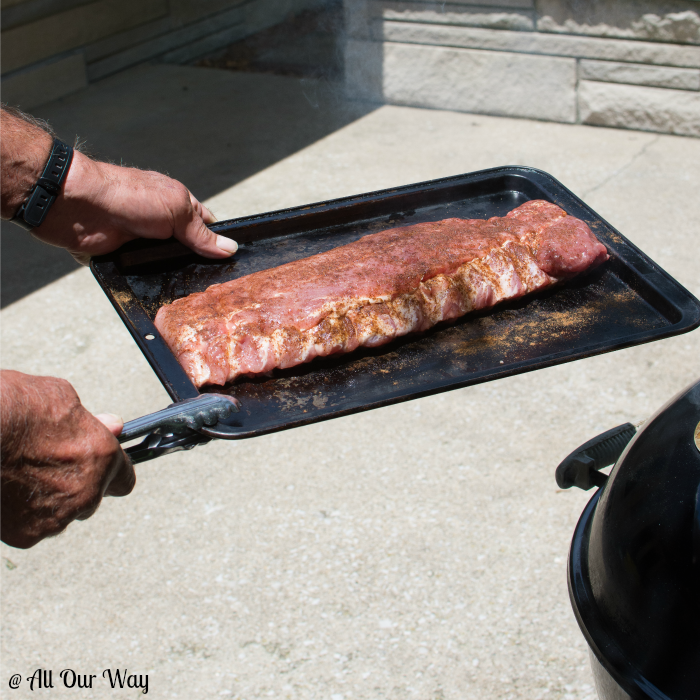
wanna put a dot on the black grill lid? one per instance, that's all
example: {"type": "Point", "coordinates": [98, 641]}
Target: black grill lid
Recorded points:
{"type": "Point", "coordinates": [634, 565]}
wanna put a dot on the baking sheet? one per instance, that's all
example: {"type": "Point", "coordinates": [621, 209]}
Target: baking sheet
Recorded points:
{"type": "Point", "coordinates": [627, 301]}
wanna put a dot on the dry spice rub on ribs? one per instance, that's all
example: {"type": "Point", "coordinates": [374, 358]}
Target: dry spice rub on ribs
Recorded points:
{"type": "Point", "coordinates": [366, 293]}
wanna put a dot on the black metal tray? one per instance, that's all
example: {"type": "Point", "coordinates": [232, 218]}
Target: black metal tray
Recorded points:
{"type": "Point", "coordinates": [627, 301]}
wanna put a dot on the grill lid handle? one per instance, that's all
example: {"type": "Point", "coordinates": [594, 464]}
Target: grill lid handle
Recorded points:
{"type": "Point", "coordinates": [582, 467]}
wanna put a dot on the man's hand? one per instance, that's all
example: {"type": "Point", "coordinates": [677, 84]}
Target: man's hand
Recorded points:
{"type": "Point", "coordinates": [58, 460]}
{"type": "Point", "coordinates": [103, 206]}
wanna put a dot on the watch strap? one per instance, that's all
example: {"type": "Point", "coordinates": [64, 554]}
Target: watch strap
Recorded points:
{"type": "Point", "coordinates": [33, 210]}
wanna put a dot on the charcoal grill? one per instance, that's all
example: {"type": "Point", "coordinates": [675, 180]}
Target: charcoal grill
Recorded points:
{"type": "Point", "coordinates": [634, 562]}
{"type": "Point", "coordinates": [627, 301]}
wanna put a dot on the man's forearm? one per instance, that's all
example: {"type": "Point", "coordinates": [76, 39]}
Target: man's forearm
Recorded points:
{"type": "Point", "coordinates": [24, 151]}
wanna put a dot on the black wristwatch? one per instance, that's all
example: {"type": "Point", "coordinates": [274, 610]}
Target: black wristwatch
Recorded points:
{"type": "Point", "coordinates": [35, 208]}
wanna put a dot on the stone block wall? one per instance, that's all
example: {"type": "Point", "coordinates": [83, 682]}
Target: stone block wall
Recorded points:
{"type": "Point", "coordinates": [51, 48]}
{"type": "Point", "coordinates": [622, 63]}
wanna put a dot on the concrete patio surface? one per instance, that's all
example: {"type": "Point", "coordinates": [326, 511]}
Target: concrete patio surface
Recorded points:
{"type": "Point", "coordinates": [416, 551]}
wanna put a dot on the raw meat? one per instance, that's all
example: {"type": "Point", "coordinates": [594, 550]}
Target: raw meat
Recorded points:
{"type": "Point", "coordinates": [368, 292]}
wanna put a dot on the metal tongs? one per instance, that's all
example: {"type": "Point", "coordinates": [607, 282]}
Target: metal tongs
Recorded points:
{"type": "Point", "coordinates": [180, 426]}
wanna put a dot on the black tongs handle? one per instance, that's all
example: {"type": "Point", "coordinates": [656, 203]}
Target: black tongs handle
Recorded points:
{"type": "Point", "coordinates": [176, 427]}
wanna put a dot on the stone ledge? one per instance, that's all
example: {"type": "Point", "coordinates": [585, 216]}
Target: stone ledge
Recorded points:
{"type": "Point", "coordinates": [15, 14]}
{"type": "Point", "coordinates": [635, 107]}
{"type": "Point", "coordinates": [111, 45]}
{"type": "Point", "coordinates": [469, 4]}
{"type": "Point", "coordinates": [182, 44]}
{"type": "Point", "coordinates": [170, 42]}
{"type": "Point", "coordinates": [207, 44]}
{"type": "Point", "coordinates": [536, 43]}
{"type": "Point", "coordinates": [74, 28]}
{"type": "Point", "coordinates": [675, 21]}
{"type": "Point", "coordinates": [456, 15]}
{"type": "Point", "coordinates": [639, 74]}
{"type": "Point", "coordinates": [184, 12]}
{"type": "Point", "coordinates": [360, 13]}
{"type": "Point", "coordinates": [483, 82]}
{"type": "Point", "coordinates": [31, 87]}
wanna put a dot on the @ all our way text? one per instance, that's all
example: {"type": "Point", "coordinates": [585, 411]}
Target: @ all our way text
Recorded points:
{"type": "Point", "coordinates": [114, 678]}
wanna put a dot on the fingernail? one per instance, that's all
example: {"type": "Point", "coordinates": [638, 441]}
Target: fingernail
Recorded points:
{"type": "Point", "coordinates": [226, 244]}
{"type": "Point", "coordinates": [110, 416]}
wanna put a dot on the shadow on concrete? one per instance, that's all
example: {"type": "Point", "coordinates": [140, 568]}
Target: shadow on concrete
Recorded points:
{"type": "Point", "coordinates": [208, 128]}
{"type": "Point", "coordinates": [28, 264]}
